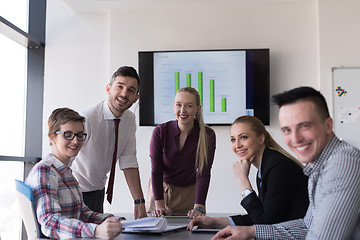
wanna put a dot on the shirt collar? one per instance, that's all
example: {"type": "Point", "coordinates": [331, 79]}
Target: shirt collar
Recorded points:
{"type": "Point", "coordinates": [108, 115]}
{"type": "Point", "coordinates": [259, 172]}
{"type": "Point", "coordinates": [61, 167]}
{"type": "Point", "coordinates": [323, 157]}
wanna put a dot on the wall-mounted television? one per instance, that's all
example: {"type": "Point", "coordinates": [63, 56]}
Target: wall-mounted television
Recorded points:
{"type": "Point", "coordinates": [231, 83]}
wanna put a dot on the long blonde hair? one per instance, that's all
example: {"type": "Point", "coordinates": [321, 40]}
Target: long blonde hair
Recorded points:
{"type": "Point", "coordinates": [202, 147]}
{"type": "Point", "coordinates": [259, 128]}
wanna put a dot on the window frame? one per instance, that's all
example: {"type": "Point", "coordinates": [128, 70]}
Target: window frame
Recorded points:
{"type": "Point", "coordinates": [34, 41]}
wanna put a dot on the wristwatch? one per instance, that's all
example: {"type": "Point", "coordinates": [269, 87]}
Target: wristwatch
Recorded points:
{"type": "Point", "coordinates": [200, 209]}
{"type": "Point", "coordinates": [137, 201]}
{"type": "Point", "coordinates": [246, 192]}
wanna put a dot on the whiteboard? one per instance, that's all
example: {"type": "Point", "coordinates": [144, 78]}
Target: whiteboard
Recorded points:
{"type": "Point", "coordinates": [346, 99]}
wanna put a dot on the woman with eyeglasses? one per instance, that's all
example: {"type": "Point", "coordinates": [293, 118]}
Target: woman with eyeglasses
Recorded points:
{"type": "Point", "coordinates": [60, 209]}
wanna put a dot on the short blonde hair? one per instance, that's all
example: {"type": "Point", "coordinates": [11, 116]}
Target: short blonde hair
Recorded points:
{"type": "Point", "coordinates": [61, 116]}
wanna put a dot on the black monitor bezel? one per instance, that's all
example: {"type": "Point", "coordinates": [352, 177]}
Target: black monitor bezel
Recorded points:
{"type": "Point", "coordinates": [257, 84]}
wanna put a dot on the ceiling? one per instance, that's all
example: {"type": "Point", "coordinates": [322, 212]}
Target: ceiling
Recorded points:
{"type": "Point", "coordinates": [107, 5]}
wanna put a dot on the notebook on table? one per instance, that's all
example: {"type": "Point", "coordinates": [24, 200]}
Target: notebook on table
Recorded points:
{"type": "Point", "coordinates": [151, 225]}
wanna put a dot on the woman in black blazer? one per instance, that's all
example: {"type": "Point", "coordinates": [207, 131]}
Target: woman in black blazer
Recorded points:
{"type": "Point", "coordinates": [280, 181]}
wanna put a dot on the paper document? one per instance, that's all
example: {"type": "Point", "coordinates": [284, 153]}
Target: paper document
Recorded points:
{"type": "Point", "coordinates": [145, 224]}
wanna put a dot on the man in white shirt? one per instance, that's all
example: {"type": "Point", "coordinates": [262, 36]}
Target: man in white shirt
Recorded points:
{"type": "Point", "coordinates": [98, 155]}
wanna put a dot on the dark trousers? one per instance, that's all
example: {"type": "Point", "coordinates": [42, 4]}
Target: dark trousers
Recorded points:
{"type": "Point", "coordinates": [95, 200]}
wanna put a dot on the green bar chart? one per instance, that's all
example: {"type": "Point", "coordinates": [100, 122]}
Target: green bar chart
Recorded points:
{"type": "Point", "coordinates": [200, 86]}
{"type": "Point", "coordinates": [216, 76]}
{"type": "Point", "coordinates": [223, 104]}
{"type": "Point", "coordinates": [188, 79]}
{"type": "Point", "coordinates": [177, 81]}
{"type": "Point", "coordinates": [200, 89]}
{"type": "Point", "coordinates": [212, 95]}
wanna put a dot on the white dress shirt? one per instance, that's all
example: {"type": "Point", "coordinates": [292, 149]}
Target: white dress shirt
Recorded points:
{"type": "Point", "coordinates": [93, 162]}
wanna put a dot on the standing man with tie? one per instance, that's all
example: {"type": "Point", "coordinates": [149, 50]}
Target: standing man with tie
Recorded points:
{"type": "Point", "coordinates": [111, 137]}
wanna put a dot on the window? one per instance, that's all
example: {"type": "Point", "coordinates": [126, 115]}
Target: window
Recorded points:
{"type": "Point", "coordinates": [16, 12]}
{"type": "Point", "coordinates": [10, 219]}
{"type": "Point", "coordinates": [22, 48]}
{"type": "Point", "coordinates": [12, 97]}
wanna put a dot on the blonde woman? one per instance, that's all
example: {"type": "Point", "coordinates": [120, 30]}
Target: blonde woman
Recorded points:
{"type": "Point", "coordinates": [182, 153]}
{"type": "Point", "coordinates": [281, 183]}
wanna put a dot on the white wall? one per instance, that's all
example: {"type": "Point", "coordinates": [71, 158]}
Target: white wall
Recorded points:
{"type": "Point", "coordinates": [84, 49]}
{"type": "Point", "coordinates": [214, 26]}
{"type": "Point", "coordinates": [76, 60]}
{"type": "Point", "coordinates": [339, 40]}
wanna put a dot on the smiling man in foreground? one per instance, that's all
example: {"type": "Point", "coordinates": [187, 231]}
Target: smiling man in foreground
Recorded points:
{"type": "Point", "coordinates": [332, 166]}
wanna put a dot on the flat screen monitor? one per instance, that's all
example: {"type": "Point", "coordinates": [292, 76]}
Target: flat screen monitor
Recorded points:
{"type": "Point", "coordinates": [231, 83]}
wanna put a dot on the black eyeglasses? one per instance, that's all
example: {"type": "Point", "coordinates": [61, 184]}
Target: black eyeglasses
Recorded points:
{"type": "Point", "coordinates": [70, 135]}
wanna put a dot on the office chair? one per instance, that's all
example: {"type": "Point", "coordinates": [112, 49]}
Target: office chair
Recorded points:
{"type": "Point", "coordinates": [27, 209]}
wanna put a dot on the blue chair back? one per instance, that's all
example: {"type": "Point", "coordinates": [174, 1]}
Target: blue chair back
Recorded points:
{"type": "Point", "coordinates": [27, 209]}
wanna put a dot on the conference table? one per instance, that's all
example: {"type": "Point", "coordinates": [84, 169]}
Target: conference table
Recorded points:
{"type": "Point", "coordinates": [173, 236]}
{"type": "Point", "coordinates": [181, 234]}
{"type": "Point", "coordinates": [177, 235]}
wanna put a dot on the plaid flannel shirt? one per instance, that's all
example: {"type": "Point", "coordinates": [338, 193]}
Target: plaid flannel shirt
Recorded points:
{"type": "Point", "coordinates": [60, 209]}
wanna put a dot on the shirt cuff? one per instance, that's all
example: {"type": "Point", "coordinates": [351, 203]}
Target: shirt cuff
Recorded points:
{"type": "Point", "coordinates": [247, 193]}
{"type": "Point", "coordinates": [263, 231]}
{"type": "Point", "coordinates": [232, 223]}
{"type": "Point", "coordinates": [128, 162]}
